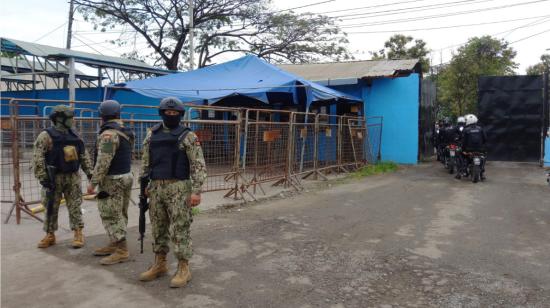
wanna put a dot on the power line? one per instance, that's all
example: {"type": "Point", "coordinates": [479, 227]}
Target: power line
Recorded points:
{"type": "Point", "coordinates": [447, 27]}
{"type": "Point", "coordinates": [438, 15]}
{"type": "Point", "coordinates": [370, 7]}
{"type": "Point", "coordinates": [303, 6]}
{"type": "Point", "coordinates": [412, 9]}
{"type": "Point", "coordinates": [531, 24]}
{"type": "Point", "coordinates": [530, 36]}
{"type": "Point", "coordinates": [538, 22]}
{"type": "Point", "coordinates": [50, 32]}
{"type": "Point", "coordinates": [86, 44]}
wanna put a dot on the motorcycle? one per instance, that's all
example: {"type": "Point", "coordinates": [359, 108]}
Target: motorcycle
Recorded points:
{"type": "Point", "coordinates": [476, 163]}
{"type": "Point", "coordinates": [450, 157]}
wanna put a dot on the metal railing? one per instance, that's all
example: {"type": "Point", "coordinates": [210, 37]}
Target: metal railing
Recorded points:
{"type": "Point", "coordinates": [243, 148]}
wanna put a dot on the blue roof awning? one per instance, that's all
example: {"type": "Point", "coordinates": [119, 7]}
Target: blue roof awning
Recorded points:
{"type": "Point", "coordinates": [247, 76]}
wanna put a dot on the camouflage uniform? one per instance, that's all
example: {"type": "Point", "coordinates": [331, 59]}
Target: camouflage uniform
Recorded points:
{"type": "Point", "coordinates": [113, 209]}
{"type": "Point", "coordinates": [68, 185]}
{"type": "Point", "coordinates": [170, 215]}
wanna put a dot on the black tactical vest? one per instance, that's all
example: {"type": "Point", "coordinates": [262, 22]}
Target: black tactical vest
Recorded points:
{"type": "Point", "coordinates": [166, 160]}
{"type": "Point", "coordinates": [122, 160]}
{"type": "Point", "coordinates": [66, 150]}
{"type": "Point", "coordinates": [473, 138]}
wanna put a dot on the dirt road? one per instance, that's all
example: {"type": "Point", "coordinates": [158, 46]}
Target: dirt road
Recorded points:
{"type": "Point", "coordinates": [414, 238]}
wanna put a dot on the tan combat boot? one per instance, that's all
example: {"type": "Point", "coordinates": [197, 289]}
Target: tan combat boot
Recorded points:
{"type": "Point", "coordinates": [78, 241]}
{"type": "Point", "coordinates": [47, 241]}
{"type": "Point", "coordinates": [182, 276]}
{"type": "Point", "coordinates": [121, 254]}
{"type": "Point", "coordinates": [105, 251]}
{"type": "Point", "coordinates": [158, 269]}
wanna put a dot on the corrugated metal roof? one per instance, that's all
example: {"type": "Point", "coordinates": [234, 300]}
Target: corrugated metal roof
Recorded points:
{"type": "Point", "coordinates": [50, 52]}
{"type": "Point", "coordinates": [351, 70]}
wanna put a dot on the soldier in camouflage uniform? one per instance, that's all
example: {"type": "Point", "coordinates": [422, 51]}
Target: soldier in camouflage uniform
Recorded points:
{"type": "Point", "coordinates": [59, 146]}
{"type": "Point", "coordinates": [113, 177]}
{"type": "Point", "coordinates": [173, 160]}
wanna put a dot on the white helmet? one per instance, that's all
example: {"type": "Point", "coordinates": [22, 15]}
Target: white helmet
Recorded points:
{"type": "Point", "coordinates": [461, 120]}
{"type": "Point", "coordinates": [470, 119]}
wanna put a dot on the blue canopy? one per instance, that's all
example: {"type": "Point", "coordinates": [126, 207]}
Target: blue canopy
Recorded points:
{"type": "Point", "coordinates": [247, 76]}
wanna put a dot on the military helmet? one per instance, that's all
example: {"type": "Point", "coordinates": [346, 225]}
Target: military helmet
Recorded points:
{"type": "Point", "coordinates": [171, 103]}
{"type": "Point", "coordinates": [62, 111]}
{"type": "Point", "coordinates": [109, 108]}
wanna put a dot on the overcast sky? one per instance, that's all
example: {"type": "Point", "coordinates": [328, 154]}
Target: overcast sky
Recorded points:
{"type": "Point", "coordinates": [370, 24]}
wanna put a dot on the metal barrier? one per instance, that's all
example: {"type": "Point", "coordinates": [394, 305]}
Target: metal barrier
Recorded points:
{"type": "Point", "coordinates": [243, 148]}
{"type": "Point", "coordinates": [266, 146]}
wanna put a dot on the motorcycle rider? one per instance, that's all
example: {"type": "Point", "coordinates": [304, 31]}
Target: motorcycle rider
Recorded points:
{"type": "Point", "coordinates": [460, 159]}
{"type": "Point", "coordinates": [444, 137]}
{"type": "Point", "coordinates": [436, 137]}
{"type": "Point", "coordinates": [450, 135]}
{"type": "Point", "coordinates": [474, 139]}
{"type": "Point", "coordinates": [460, 124]}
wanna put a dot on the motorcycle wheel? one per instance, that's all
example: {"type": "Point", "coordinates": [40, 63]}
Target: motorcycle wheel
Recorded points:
{"type": "Point", "coordinates": [476, 174]}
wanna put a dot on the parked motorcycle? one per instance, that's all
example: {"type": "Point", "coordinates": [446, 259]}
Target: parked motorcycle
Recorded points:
{"type": "Point", "coordinates": [452, 151]}
{"type": "Point", "coordinates": [476, 163]}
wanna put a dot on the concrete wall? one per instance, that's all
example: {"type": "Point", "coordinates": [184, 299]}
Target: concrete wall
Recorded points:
{"type": "Point", "coordinates": [397, 100]}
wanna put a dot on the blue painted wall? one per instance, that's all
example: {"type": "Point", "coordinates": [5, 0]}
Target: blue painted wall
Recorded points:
{"type": "Point", "coordinates": [547, 152]}
{"type": "Point", "coordinates": [397, 100]}
{"type": "Point", "coordinates": [91, 94]}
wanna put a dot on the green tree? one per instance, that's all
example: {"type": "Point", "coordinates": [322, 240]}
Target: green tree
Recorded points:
{"type": "Point", "coordinates": [399, 46]}
{"type": "Point", "coordinates": [457, 81]}
{"type": "Point", "coordinates": [541, 67]}
{"type": "Point", "coordinates": [222, 26]}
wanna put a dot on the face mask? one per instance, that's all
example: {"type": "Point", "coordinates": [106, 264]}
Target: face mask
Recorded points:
{"type": "Point", "coordinates": [68, 123]}
{"type": "Point", "coordinates": [171, 121]}
{"type": "Point", "coordinates": [63, 124]}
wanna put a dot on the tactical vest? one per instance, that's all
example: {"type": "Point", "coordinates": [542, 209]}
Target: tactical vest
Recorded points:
{"type": "Point", "coordinates": [121, 162]}
{"type": "Point", "coordinates": [167, 161]}
{"type": "Point", "coordinates": [473, 138]}
{"type": "Point", "coordinates": [66, 150]}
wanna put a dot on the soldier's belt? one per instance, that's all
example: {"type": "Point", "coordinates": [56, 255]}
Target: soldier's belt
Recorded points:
{"type": "Point", "coordinates": [169, 181]}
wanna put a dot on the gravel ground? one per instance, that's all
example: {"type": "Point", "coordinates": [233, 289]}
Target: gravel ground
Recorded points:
{"type": "Point", "coordinates": [414, 238]}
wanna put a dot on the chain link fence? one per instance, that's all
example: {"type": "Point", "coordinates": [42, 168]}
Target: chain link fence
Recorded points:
{"type": "Point", "coordinates": [243, 148]}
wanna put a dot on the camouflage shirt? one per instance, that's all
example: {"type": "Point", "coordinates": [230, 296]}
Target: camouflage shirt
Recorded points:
{"type": "Point", "coordinates": [107, 145]}
{"type": "Point", "coordinates": [197, 166]}
{"type": "Point", "coordinates": [42, 145]}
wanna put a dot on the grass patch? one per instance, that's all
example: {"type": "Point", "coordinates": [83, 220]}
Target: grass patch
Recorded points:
{"type": "Point", "coordinates": [382, 167]}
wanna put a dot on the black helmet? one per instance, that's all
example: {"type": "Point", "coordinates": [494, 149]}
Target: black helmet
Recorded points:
{"type": "Point", "coordinates": [171, 103]}
{"type": "Point", "coordinates": [61, 111]}
{"type": "Point", "coordinates": [109, 109]}
{"type": "Point", "coordinates": [446, 121]}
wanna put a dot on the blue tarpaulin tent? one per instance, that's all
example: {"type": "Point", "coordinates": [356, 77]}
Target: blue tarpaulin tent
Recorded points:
{"type": "Point", "coordinates": [248, 76]}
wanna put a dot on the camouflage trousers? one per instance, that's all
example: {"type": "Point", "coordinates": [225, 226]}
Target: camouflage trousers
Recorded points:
{"type": "Point", "coordinates": [170, 216]}
{"type": "Point", "coordinates": [113, 210]}
{"type": "Point", "coordinates": [68, 186]}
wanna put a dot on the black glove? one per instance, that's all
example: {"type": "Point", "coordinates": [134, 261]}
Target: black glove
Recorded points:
{"type": "Point", "coordinates": [46, 184]}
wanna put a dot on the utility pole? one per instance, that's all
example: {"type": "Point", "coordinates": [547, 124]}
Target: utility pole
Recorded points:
{"type": "Point", "coordinates": [191, 34]}
{"type": "Point", "coordinates": [70, 82]}
{"type": "Point", "coordinates": [70, 25]}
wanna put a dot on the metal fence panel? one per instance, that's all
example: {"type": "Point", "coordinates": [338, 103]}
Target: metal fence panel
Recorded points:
{"type": "Point", "coordinates": [243, 148]}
